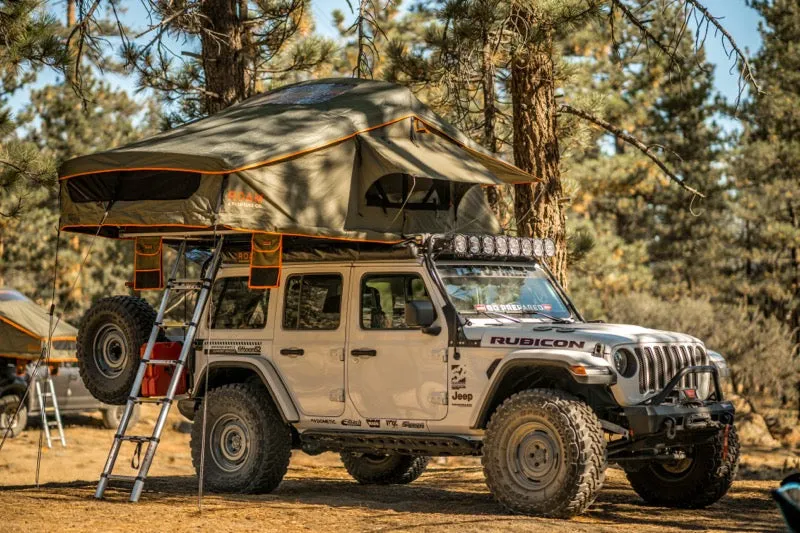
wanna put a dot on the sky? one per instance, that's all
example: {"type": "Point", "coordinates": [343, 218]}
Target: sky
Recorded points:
{"type": "Point", "coordinates": [740, 20]}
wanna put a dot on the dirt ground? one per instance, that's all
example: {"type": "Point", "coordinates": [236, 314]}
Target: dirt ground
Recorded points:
{"type": "Point", "coordinates": [318, 495]}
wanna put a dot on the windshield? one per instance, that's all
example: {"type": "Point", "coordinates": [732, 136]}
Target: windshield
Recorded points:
{"type": "Point", "coordinates": [522, 291]}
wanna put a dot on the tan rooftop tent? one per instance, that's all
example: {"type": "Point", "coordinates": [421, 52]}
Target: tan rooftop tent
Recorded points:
{"type": "Point", "coordinates": [24, 328]}
{"type": "Point", "coordinates": [338, 158]}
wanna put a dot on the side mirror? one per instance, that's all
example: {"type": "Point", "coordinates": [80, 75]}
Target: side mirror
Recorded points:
{"type": "Point", "coordinates": [420, 313]}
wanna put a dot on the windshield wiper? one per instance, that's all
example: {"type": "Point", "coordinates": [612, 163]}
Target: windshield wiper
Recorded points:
{"type": "Point", "coordinates": [551, 317]}
{"type": "Point", "coordinates": [501, 315]}
{"type": "Point", "coordinates": [489, 314]}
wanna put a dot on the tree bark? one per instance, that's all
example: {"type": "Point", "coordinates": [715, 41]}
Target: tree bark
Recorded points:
{"type": "Point", "coordinates": [223, 54]}
{"type": "Point", "coordinates": [493, 194]}
{"type": "Point", "coordinates": [537, 207]}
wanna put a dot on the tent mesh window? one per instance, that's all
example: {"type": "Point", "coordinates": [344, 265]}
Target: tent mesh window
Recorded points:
{"type": "Point", "coordinates": [397, 191]}
{"type": "Point", "coordinates": [133, 186]}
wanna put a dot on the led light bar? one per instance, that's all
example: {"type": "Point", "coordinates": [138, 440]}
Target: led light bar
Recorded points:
{"type": "Point", "coordinates": [460, 246]}
{"type": "Point", "coordinates": [549, 248]}
{"type": "Point", "coordinates": [538, 248]}
{"type": "Point", "coordinates": [513, 246]}
{"type": "Point", "coordinates": [527, 247]}
{"type": "Point", "coordinates": [474, 245]}
{"type": "Point", "coordinates": [501, 245]}
{"type": "Point", "coordinates": [488, 245]}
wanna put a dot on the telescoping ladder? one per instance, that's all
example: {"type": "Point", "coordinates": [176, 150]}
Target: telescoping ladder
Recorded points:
{"type": "Point", "coordinates": [43, 385]}
{"type": "Point", "coordinates": [203, 288]}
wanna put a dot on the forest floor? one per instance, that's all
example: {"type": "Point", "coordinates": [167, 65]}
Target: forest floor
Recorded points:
{"type": "Point", "coordinates": [317, 494]}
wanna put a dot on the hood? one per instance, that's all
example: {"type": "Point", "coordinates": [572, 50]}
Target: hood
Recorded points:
{"type": "Point", "coordinates": [578, 336]}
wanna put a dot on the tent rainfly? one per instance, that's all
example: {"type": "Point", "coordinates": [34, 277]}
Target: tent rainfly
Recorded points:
{"type": "Point", "coordinates": [24, 328]}
{"type": "Point", "coordinates": [335, 158]}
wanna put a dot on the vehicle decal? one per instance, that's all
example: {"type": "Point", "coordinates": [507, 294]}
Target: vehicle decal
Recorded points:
{"type": "Point", "coordinates": [536, 343]}
{"type": "Point", "coordinates": [461, 399]}
{"type": "Point", "coordinates": [458, 376]}
{"type": "Point", "coordinates": [373, 422]}
{"type": "Point", "coordinates": [323, 421]}
{"type": "Point", "coordinates": [351, 422]}
{"type": "Point", "coordinates": [513, 308]}
{"type": "Point", "coordinates": [412, 424]}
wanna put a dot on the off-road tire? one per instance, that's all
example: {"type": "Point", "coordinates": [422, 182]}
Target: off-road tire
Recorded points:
{"type": "Point", "coordinates": [9, 405]}
{"type": "Point", "coordinates": [706, 480]}
{"type": "Point", "coordinates": [267, 440]}
{"type": "Point", "coordinates": [562, 444]}
{"type": "Point", "coordinates": [109, 339]}
{"type": "Point", "coordinates": [112, 415]}
{"type": "Point", "coordinates": [379, 469]}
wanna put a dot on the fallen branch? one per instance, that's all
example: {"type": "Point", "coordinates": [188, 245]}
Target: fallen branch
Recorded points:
{"type": "Point", "coordinates": [633, 141]}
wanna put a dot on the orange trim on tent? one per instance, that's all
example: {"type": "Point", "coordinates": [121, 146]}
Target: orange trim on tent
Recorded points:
{"type": "Point", "coordinates": [32, 334]}
{"type": "Point", "coordinates": [243, 230]}
{"type": "Point", "coordinates": [301, 152]}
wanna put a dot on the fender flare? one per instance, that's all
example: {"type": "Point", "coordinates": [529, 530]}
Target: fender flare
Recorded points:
{"type": "Point", "coordinates": [269, 378]}
{"type": "Point", "coordinates": [599, 372]}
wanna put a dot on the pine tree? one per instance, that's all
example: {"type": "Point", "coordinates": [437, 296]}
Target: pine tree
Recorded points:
{"type": "Point", "coordinates": [766, 170]}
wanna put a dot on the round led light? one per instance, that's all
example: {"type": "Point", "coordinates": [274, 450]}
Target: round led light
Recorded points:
{"type": "Point", "coordinates": [549, 248]}
{"type": "Point", "coordinates": [513, 246]}
{"type": "Point", "coordinates": [538, 247]}
{"type": "Point", "coordinates": [625, 362]}
{"type": "Point", "coordinates": [488, 245]}
{"type": "Point", "coordinates": [474, 245]}
{"type": "Point", "coordinates": [501, 243]}
{"type": "Point", "coordinates": [460, 245]}
{"type": "Point", "coordinates": [527, 247]}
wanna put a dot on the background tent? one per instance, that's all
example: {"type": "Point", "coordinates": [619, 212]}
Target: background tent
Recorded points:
{"type": "Point", "coordinates": [339, 158]}
{"type": "Point", "coordinates": [24, 328]}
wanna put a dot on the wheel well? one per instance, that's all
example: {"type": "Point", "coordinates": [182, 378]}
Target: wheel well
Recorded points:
{"type": "Point", "coordinates": [520, 378]}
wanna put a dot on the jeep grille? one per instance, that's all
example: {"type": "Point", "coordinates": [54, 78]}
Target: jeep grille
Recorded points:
{"type": "Point", "coordinates": [658, 363]}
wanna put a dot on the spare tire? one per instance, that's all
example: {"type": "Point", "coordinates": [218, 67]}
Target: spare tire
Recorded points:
{"type": "Point", "coordinates": [109, 339]}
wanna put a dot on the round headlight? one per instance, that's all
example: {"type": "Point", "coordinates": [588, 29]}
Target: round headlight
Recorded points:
{"type": "Point", "coordinates": [501, 243]}
{"type": "Point", "coordinates": [527, 247]}
{"type": "Point", "coordinates": [538, 247]}
{"type": "Point", "coordinates": [513, 246]}
{"type": "Point", "coordinates": [474, 245]}
{"type": "Point", "coordinates": [625, 362]}
{"type": "Point", "coordinates": [549, 248]}
{"type": "Point", "coordinates": [488, 245]}
{"type": "Point", "coordinates": [460, 245]}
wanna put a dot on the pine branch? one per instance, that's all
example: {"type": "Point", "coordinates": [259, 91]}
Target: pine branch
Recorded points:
{"type": "Point", "coordinates": [633, 141]}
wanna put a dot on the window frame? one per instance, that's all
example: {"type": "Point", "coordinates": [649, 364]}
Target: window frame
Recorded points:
{"type": "Point", "coordinates": [285, 292]}
{"type": "Point", "coordinates": [209, 324]}
{"type": "Point", "coordinates": [361, 283]}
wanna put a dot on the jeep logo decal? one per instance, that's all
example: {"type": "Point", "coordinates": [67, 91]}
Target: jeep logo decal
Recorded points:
{"type": "Point", "coordinates": [539, 343]}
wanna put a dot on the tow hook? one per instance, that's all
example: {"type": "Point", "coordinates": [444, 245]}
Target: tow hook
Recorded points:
{"type": "Point", "coordinates": [670, 428]}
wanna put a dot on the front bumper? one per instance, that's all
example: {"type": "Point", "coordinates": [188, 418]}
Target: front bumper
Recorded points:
{"type": "Point", "coordinates": [665, 422]}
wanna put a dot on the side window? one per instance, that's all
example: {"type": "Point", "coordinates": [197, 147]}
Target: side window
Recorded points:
{"type": "Point", "coordinates": [313, 302]}
{"type": "Point", "coordinates": [384, 297]}
{"type": "Point", "coordinates": [236, 306]}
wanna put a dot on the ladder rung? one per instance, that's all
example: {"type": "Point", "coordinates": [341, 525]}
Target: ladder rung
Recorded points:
{"type": "Point", "coordinates": [52, 423]}
{"type": "Point", "coordinates": [187, 284]}
{"type": "Point", "coordinates": [119, 477]}
{"type": "Point", "coordinates": [149, 399]}
{"type": "Point", "coordinates": [162, 362]}
{"type": "Point", "coordinates": [136, 438]}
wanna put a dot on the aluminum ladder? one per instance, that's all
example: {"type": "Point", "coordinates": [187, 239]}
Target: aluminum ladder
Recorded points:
{"type": "Point", "coordinates": [203, 288]}
{"type": "Point", "coordinates": [43, 385]}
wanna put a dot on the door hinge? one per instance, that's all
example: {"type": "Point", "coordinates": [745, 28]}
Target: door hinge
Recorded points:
{"type": "Point", "coordinates": [336, 395]}
{"type": "Point", "coordinates": [438, 398]}
{"type": "Point", "coordinates": [338, 353]}
{"type": "Point", "coordinates": [440, 354]}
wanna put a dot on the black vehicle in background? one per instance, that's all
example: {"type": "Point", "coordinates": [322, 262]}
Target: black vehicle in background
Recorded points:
{"type": "Point", "coordinates": [72, 395]}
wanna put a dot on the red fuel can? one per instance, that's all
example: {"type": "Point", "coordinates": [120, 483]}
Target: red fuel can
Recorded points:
{"type": "Point", "coordinates": [157, 377]}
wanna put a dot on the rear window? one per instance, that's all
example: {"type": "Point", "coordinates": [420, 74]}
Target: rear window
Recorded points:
{"type": "Point", "coordinates": [236, 306]}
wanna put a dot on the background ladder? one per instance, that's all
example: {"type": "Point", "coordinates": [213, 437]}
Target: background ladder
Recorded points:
{"type": "Point", "coordinates": [45, 389]}
{"type": "Point", "coordinates": [203, 288]}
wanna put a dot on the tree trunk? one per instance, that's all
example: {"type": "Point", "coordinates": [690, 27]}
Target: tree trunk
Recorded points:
{"type": "Point", "coordinates": [223, 54]}
{"type": "Point", "coordinates": [493, 194]}
{"type": "Point", "coordinates": [537, 207]}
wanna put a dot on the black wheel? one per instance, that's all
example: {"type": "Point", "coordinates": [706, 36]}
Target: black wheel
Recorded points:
{"type": "Point", "coordinates": [109, 340]}
{"type": "Point", "coordinates": [112, 416]}
{"type": "Point", "coordinates": [544, 454]}
{"type": "Point", "coordinates": [380, 469]}
{"type": "Point", "coordinates": [247, 444]}
{"type": "Point", "coordinates": [697, 481]}
{"type": "Point", "coordinates": [8, 407]}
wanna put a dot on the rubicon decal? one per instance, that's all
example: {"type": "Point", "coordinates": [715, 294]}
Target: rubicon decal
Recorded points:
{"type": "Point", "coordinates": [536, 343]}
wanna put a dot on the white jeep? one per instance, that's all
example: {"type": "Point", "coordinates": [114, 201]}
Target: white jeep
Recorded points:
{"type": "Point", "coordinates": [442, 346]}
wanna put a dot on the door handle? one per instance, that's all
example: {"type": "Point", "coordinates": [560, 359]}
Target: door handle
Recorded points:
{"type": "Point", "coordinates": [294, 352]}
{"type": "Point", "coordinates": [364, 352]}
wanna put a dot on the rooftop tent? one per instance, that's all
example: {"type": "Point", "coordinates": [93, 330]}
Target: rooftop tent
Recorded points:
{"type": "Point", "coordinates": [24, 328]}
{"type": "Point", "coordinates": [339, 158]}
